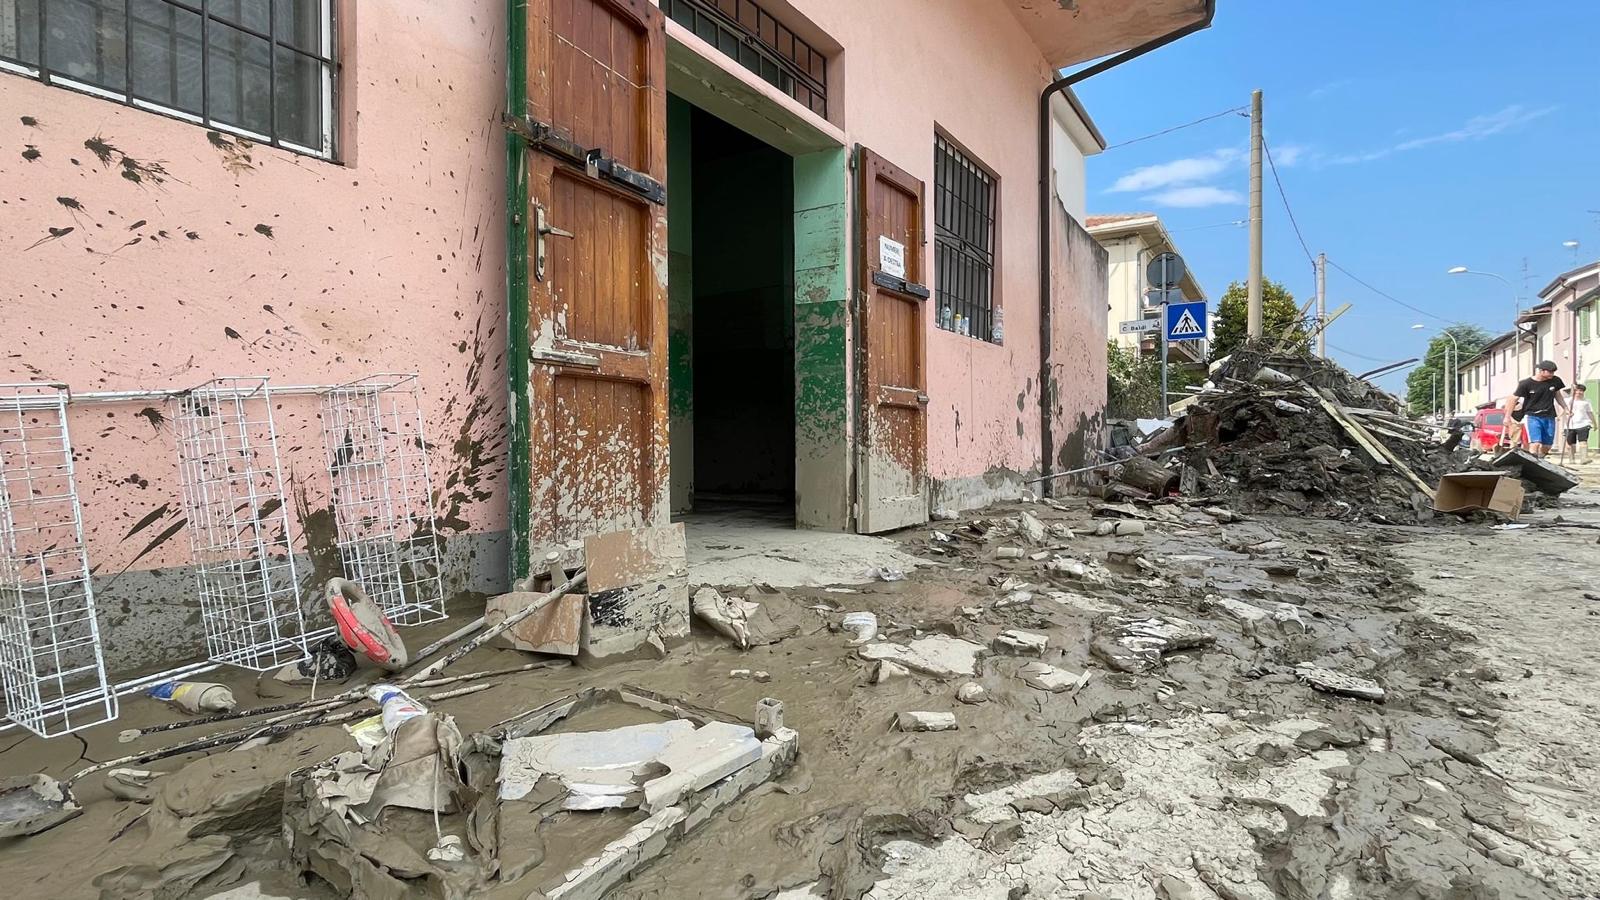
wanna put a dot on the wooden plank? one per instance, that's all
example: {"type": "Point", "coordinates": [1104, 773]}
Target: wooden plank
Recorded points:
{"type": "Point", "coordinates": [1363, 437]}
{"type": "Point", "coordinates": [1357, 434]}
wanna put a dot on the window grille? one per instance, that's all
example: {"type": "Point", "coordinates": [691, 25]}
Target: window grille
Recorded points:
{"type": "Point", "coordinates": [753, 38]}
{"type": "Point", "coordinates": [964, 214]}
{"type": "Point", "coordinates": [261, 69]}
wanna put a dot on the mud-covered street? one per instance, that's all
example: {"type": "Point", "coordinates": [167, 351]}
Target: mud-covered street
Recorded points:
{"type": "Point", "coordinates": [1212, 769]}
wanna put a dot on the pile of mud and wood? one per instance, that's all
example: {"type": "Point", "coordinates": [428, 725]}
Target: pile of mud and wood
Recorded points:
{"type": "Point", "coordinates": [1299, 434]}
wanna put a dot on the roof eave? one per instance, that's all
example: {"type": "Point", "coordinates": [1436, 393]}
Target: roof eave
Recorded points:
{"type": "Point", "coordinates": [1068, 32]}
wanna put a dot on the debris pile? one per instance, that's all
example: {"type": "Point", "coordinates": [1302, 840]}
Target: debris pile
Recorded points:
{"type": "Point", "coordinates": [1300, 434]}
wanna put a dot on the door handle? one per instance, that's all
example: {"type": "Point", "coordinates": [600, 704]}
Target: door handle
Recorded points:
{"type": "Point", "coordinates": [542, 229]}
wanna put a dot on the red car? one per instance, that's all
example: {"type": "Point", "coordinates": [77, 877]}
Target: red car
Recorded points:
{"type": "Point", "coordinates": [1487, 427]}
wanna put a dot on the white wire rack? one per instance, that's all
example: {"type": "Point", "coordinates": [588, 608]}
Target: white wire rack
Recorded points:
{"type": "Point", "coordinates": [383, 508]}
{"type": "Point", "coordinates": [51, 661]}
{"type": "Point", "coordinates": [239, 523]}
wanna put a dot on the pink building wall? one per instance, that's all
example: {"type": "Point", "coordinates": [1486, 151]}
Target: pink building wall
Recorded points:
{"type": "Point", "coordinates": [228, 259]}
{"type": "Point", "coordinates": [975, 73]}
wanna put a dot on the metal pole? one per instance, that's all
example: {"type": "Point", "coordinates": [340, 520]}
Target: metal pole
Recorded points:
{"type": "Point", "coordinates": [1433, 393]}
{"type": "Point", "coordinates": [1322, 305]}
{"type": "Point", "coordinates": [1164, 408]}
{"type": "Point", "coordinates": [1253, 296]}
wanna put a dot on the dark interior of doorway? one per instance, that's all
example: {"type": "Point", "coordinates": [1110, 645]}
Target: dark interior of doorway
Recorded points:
{"type": "Point", "coordinates": [743, 318]}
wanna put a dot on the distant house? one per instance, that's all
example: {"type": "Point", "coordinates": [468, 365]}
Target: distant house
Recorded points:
{"type": "Point", "coordinates": [1131, 240]}
{"type": "Point", "coordinates": [1575, 331]}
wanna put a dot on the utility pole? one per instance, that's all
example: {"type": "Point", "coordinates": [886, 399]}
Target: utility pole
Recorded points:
{"type": "Point", "coordinates": [1322, 305]}
{"type": "Point", "coordinates": [1253, 296]}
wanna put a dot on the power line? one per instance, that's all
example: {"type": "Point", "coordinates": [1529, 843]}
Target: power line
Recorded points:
{"type": "Point", "coordinates": [1286, 207]}
{"type": "Point", "coordinates": [1391, 298]}
{"type": "Point", "coordinates": [1179, 127]}
{"type": "Point", "coordinates": [1358, 355]}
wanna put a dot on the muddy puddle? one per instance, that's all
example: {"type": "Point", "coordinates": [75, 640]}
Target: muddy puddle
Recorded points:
{"type": "Point", "coordinates": [1218, 767]}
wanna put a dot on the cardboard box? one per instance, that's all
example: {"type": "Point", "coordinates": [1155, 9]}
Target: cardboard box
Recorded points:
{"type": "Point", "coordinates": [1466, 492]}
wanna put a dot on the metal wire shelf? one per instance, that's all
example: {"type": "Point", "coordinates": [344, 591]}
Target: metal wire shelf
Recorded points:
{"type": "Point", "coordinates": [52, 664]}
{"type": "Point", "coordinates": [383, 510]}
{"type": "Point", "coordinates": [239, 524]}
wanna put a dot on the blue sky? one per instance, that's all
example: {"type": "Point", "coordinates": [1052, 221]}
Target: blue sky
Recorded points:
{"type": "Point", "coordinates": [1411, 137]}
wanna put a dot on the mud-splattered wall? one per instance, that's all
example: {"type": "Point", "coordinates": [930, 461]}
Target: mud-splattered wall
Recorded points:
{"type": "Point", "coordinates": [1077, 389]}
{"type": "Point", "coordinates": [146, 253]}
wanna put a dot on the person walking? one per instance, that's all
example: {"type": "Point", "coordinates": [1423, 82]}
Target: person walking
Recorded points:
{"type": "Point", "coordinates": [1580, 418]}
{"type": "Point", "coordinates": [1540, 395]}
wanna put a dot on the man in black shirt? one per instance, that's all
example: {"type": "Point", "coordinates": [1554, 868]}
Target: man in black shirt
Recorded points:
{"type": "Point", "coordinates": [1540, 396]}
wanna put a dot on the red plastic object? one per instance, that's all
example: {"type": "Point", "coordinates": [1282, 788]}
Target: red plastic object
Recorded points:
{"type": "Point", "coordinates": [363, 627]}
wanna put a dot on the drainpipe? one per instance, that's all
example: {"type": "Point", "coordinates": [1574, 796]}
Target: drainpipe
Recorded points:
{"type": "Point", "coordinates": [1055, 87]}
{"type": "Point", "coordinates": [517, 289]}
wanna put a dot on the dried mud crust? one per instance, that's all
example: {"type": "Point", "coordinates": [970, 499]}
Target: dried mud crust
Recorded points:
{"type": "Point", "coordinates": [1220, 770]}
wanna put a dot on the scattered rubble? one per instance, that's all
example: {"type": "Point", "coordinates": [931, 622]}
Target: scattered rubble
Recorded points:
{"type": "Point", "coordinates": [1137, 644]}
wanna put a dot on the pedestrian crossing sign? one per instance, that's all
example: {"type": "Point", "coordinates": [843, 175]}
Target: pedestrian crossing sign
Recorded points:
{"type": "Point", "coordinates": [1186, 321]}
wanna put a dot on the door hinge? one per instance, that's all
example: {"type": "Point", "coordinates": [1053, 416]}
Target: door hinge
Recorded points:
{"type": "Point", "coordinates": [593, 160]}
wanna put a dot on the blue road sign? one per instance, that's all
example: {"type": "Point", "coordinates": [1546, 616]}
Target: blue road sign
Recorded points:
{"type": "Point", "coordinates": [1187, 321]}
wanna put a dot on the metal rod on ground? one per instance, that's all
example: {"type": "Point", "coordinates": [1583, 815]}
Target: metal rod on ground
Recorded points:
{"type": "Point", "coordinates": [577, 580]}
{"type": "Point", "coordinates": [1077, 471]}
{"type": "Point", "coordinates": [1253, 291]}
{"type": "Point", "coordinates": [450, 638]}
{"type": "Point", "coordinates": [317, 705]}
{"type": "Point", "coordinates": [233, 737]}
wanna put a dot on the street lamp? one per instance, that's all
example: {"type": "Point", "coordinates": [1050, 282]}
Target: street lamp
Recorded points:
{"type": "Point", "coordinates": [1516, 299]}
{"type": "Point", "coordinates": [1450, 388]}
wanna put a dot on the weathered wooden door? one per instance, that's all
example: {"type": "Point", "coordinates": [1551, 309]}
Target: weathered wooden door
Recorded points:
{"type": "Point", "coordinates": [596, 120]}
{"type": "Point", "coordinates": [892, 456]}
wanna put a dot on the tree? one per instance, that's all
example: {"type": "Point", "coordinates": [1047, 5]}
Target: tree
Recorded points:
{"type": "Point", "coordinates": [1429, 382]}
{"type": "Point", "coordinates": [1278, 311]}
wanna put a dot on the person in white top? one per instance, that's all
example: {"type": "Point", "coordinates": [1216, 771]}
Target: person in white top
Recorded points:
{"type": "Point", "coordinates": [1580, 418]}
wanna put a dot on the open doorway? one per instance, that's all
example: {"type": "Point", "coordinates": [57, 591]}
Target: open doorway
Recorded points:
{"type": "Point", "coordinates": [731, 319]}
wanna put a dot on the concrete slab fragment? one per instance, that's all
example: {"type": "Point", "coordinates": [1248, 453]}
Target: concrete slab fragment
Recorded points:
{"type": "Point", "coordinates": [938, 655]}
{"type": "Point", "coordinates": [1049, 678]}
{"type": "Point", "coordinates": [600, 769]}
{"type": "Point", "coordinates": [694, 761]}
{"type": "Point", "coordinates": [925, 721]}
{"type": "Point", "coordinates": [1021, 643]}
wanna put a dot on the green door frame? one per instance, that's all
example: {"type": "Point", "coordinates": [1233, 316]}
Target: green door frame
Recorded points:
{"type": "Point", "coordinates": [719, 86]}
{"type": "Point", "coordinates": [823, 474]}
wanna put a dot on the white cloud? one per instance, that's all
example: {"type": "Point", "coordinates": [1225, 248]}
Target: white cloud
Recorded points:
{"type": "Point", "coordinates": [1288, 155]}
{"type": "Point", "coordinates": [1330, 88]}
{"type": "Point", "coordinates": [1197, 196]}
{"type": "Point", "coordinates": [1177, 172]}
{"type": "Point", "coordinates": [1476, 128]}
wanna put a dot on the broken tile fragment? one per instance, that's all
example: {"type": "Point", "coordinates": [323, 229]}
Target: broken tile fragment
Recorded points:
{"type": "Point", "coordinates": [1021, 643]}
{"type": "Point", "coordinates": [1335, 682]}
{"type": "Point", "coordinates": [925, 721]}
{"type": "Point", "coordinates": [1137, 644]}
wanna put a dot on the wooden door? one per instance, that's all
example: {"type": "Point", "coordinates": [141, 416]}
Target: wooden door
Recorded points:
{"type": "Point", "coordinates": [596, 123]}
{"type": "Point", "coordinates": [892, 449]}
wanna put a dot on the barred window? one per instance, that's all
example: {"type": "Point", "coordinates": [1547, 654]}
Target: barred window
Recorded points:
{"type": "Point", "coordinates": [751, 36]}
{"type": "Point", "coordinates": [964, 213]}
{"type": "Point", "coordinates": [262, 69]}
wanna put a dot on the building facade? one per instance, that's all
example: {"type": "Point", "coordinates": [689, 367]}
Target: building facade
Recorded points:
{"type": "Point", "coordinates": [643, 257]}
{"type": "Point", "coordinates": [1132, 240]}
